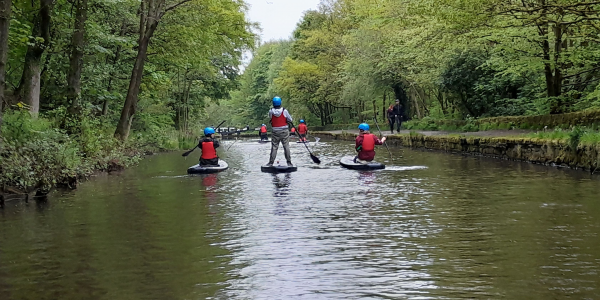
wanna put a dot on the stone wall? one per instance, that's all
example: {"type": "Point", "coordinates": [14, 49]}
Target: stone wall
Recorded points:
{"type": "Point", "coordinates": [547, 152]}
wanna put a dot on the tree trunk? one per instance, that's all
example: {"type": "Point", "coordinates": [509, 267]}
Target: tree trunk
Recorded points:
{"type": "Point", "coordinates": [384, 110]}
{"type": "Point", "coordinates": [29, 88]}
{"type": "Point", "coordinates": [130, 105]}
{"type": "Point", "coordinates": [76, 60]}
{"type": "Point", "coordinates": [112, 74]}
{"type": "Point", "coordinates": [4, 25]}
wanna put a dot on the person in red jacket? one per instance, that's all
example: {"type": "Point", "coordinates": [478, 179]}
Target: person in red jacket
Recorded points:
{"type": "Point", "coordinates": [293, 131]}
{"type": "Point", "coordinates": [209, 146]}
{"type": "Point", "coordinates": [365, 144]}
{"type": "Point", "coordinates": [302, 131]}
{"type": "Point", "coordinates": [263, 132]}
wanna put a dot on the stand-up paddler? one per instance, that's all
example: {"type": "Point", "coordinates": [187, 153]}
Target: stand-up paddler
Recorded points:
{"type": "Point", "coordinates": [280, 117]}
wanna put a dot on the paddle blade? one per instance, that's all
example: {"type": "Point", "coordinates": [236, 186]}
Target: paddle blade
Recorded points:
{"type": "Point", "coordinates": [315, 159]}
{"type": "Point", "coordinates": [188, 152]}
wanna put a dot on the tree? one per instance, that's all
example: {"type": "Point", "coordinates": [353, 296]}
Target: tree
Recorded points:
{"type": "Point", "coordinates": [227, 29]}
{"type": "Point", "coordinates": [76, 58]}
{"type": "Point", "coordinates": [39, 41]}
{"type": "Point", "coordinates": [5, 6]}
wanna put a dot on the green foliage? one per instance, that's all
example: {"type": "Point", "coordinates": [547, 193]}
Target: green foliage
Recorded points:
{"type": "Point", "coordinates": [36, 154]}
{"type": "Point", "coordinates": [443, 59]}
{"type": "Point", "coordinates": [574, 137]}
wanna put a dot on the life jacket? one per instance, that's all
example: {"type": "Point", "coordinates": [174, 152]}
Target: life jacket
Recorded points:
{"type": "Point", "coordinates": [293, 130]}
{"type": "Point", "coordinates": [302, 129]}
{"type": "Point", "coordinates": [208, 150]}
{"type": "Point", "coordinates": [279, 121]}
{"type": "Point", "coordinates": [263, 129]}
{"type": "Point", "coordinates": [368, 143]}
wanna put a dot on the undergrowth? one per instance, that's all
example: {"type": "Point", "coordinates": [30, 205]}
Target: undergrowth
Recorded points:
{"type": "Point", "coordinates": [41, 153]}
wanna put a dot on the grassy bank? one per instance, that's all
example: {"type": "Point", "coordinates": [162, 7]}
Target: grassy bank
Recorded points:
{"type": "Point", "coordinates": [39, 154]}
{"type": "Point", "coordinates": [590, 118]}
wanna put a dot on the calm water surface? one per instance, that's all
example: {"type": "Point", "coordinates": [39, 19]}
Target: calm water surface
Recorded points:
{"type": "Point", "coordinates": [430, 226]}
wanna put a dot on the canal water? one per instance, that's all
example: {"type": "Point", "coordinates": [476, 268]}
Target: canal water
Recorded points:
{"type": "Point", "coordinates": [430, 226]}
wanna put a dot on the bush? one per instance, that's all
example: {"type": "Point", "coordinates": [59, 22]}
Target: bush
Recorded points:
{"type": "Point", "coordinates": [41, 162]}
{"type": "Point", "coordinates": [36, 156]}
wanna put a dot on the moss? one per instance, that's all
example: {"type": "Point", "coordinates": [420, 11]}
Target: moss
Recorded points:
{"type": "Point", "coordinates": [544, 148]}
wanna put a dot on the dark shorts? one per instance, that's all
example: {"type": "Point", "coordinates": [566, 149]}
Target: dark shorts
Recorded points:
{"type": "Point", "coordinates": [209, 162]}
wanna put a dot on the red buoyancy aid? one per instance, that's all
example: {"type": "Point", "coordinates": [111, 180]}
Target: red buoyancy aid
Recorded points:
{"type": "Point", "coordinates": [368, 143]}
{"type": "Point", "coordinates": [263, 129]}
{"type": "Point", "coordinates": [208, 150]}
{"type": "Point", "coordinates": [302, 129]}
{"type": "Point", "coordinates": [279, 121]}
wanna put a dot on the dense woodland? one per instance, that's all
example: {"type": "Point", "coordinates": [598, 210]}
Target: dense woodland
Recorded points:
{"type": "Point", "coordinates": [444, 59]}
{"type": "Point", "coordinates": [86, 84]}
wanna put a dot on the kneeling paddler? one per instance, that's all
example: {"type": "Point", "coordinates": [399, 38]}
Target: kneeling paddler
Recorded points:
{"type": "Point", "coordinates": [365, 144]}
{"type": "Point", "coordinates": [209, 146]}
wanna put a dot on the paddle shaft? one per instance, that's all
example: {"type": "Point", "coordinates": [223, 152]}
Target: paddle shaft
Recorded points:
{"type": "Point", "coordinates": [232, 144]}
{"type": "Point", "coordinates": [312, 156]}
{"type": "Point", "coordinates": [380, 133]}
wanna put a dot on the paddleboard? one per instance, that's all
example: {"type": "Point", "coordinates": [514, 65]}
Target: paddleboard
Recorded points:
{"type": "Point", "coordinates": [348, 162]}
{"type": "Point", "coordinates": [264, 141]}
{"type": "Point", "coordinates": [301, 142]}
{"type": "Point", "coordinates": [197, 169]}
{"type": "Point", "coordinates": [278, 169]}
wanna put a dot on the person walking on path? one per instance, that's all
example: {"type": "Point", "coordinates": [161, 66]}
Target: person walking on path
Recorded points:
{"type": "Point", "coordinates": [280, 117]}
{"type": "Point", "coordinates": [395, 113]}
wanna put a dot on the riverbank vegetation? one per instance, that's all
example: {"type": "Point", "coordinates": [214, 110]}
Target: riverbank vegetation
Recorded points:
{"type": "Point", "coordinates": [460, 60]}
{"type": "Point", "coordinates": [90, 85]}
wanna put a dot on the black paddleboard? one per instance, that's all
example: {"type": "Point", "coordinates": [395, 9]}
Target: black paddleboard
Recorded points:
{"type": "Point", "coordinates": [264, 141]}
{"type": "Point", "coordinates": [278, 169]}
{"type": "Point", "coordinates": [197, 169]}
{"type": "Point", "coordinates": [348, 162]}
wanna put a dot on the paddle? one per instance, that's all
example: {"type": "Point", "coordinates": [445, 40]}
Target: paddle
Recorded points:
{"type": "Point", "coordinates": [315, 159]}
{"type": "Point", "coordinates": [236, 139]}
{"type": "Point", "coordinates": [188, 152]}
{"type": "Point", "coordinates": [384, 143]}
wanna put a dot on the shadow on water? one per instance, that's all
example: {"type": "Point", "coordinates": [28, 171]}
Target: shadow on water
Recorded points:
{"type": "Point", "coordinates": [430, 225]}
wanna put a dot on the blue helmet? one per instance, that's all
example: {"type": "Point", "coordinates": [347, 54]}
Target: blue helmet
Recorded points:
{"type": "Point", "coordinates": [208, 131]}
{"type": "Point", "coordinates": [301, 121]}
{"type": "Point", "coordinates": [263, 125]}
{"type": "Point", "coordinates": [276, 101]}
{"type": "Point", "coordinates": [364, 126]}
